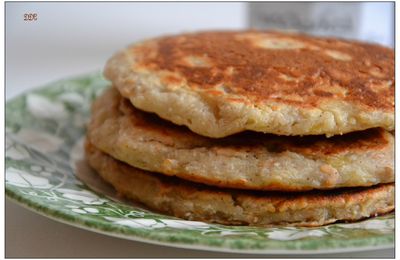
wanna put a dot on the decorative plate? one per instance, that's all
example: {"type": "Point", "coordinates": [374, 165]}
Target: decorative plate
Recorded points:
{"type": "Point", "coordinates": [44, 130]}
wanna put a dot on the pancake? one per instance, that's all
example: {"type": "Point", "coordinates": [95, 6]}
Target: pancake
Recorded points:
{"type": "Point", "coordinates": [247, 160]}
{"type": "Point", "coordinates": [220, 83]}
{"type": "Point", "coordinates": [191, 201]}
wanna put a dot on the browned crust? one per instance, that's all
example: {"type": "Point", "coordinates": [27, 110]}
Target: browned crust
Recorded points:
{"type": "Point", "coordinates": [245, 69]}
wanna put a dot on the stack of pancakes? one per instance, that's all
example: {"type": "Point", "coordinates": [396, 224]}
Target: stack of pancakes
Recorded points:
{"type": "Point", "coordinates": [249, 128]}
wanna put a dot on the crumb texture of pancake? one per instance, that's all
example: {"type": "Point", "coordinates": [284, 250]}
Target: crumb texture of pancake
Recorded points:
{"type": "Point", "coordinates": [221, 83]}
{"type": "Point", "coordinates": [191, 201]}
{"type": "Point", "coordinates": [247, 160]}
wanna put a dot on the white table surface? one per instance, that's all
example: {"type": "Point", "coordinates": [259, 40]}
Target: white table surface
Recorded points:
{"type": "Point", "coordinates": [54, 48]}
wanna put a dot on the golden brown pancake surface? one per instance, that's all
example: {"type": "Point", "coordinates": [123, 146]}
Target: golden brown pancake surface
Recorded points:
{"type": "Point", "coordinates": [276, 66]}
{"type": "Point", "coordinates": [220, 83]}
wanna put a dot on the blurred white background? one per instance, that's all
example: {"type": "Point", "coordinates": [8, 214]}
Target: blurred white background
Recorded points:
{"type": "Point", "coordinates": [76, 38]}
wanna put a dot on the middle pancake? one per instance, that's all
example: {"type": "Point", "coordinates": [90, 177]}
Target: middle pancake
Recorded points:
{"type": "Point", "coordinates": [245, 161]}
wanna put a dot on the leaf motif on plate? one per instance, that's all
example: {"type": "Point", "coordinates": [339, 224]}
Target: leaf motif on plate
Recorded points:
{"type": "Point", "coordinates": [84, 196]}
{"type": "Point", "coordinates": [41, 141]}
{"type": "Point", "coordinates": [15, 151]}
{"type": "Point", "coordinates": [43, 108]}
{"type": "Point", "coordinates": [159, 223]}
{"type": "Point", "coordinates": [23, 179]}
{"type": "Point", "coordinates": [294, 234]}
{"type": "Point", "coordinates": [383, 225]}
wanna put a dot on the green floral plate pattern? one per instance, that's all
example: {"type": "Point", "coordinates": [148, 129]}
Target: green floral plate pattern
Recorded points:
{"type": "Point", "coordinates": [43, 128]}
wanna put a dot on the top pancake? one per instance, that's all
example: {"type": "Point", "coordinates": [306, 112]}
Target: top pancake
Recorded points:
{"type": "Point", "coordinates": [221, 83]}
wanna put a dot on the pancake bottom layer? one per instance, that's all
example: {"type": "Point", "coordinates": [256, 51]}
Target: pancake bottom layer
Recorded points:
{"type": "Point", "coordinates": [193, 201]}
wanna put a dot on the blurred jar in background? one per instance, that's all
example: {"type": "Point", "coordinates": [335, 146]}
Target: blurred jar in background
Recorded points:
{"type": "Point", "coordinates": [368, 21]}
